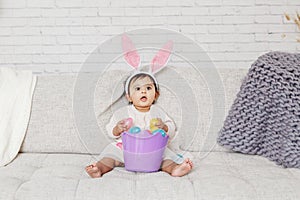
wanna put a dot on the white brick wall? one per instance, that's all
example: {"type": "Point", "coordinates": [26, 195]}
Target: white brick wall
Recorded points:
{"type": "Point", "coordinates": [56, 36]}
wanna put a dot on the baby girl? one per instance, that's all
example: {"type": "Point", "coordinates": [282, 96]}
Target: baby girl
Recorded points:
{"type": "Point", "coordinates": [141, 90]}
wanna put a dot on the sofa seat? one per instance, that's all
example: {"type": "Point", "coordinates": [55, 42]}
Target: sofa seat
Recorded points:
{"type": "Point", "coordinates": [52, 158]}
{"type": "Point", "coordinates": [217, 175]}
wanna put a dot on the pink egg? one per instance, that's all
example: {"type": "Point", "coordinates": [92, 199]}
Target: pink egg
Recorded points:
{"type": "Point", "coordinates": [128, 122]}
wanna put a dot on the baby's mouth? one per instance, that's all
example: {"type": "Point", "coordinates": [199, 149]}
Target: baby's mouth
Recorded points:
{"type": "Point", "coordinates": [143, 98]}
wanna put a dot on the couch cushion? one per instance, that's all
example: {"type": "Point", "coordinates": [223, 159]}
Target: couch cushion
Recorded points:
{"type": "Point", "coordinates": [203, 137]}
{"type": "Point", "coordinates": [58, 125]}
{"type": "Point", "coordinates": [53, 126]}
{"type": "Point", "coordinates": [218, 175]}
{"type": "Point", "coordinates": [232, 80]}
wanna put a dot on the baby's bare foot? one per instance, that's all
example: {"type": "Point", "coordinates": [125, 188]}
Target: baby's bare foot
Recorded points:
{"type": "Point", "coordinates": [183, 168]}
{"type": "Point", "coordinates": [93, 171]}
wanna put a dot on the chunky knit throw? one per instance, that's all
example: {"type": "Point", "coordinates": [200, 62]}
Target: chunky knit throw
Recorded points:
{"type": "Point", "coordinates": [265, 116]}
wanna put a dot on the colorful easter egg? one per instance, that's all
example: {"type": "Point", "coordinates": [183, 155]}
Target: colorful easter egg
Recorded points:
{"type": "Point", "coordinates": [153, 126]}
{"type": "Point", "coordinates": [128, 122]}
{"type": "Point", "coordinates": [160, 131]}
{"type": "Point", "coordinates": [120, 145]}
{"type": "Point", "coordinates": [134, 130]}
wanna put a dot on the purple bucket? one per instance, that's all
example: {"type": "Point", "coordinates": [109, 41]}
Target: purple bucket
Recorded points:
{"type": "Point", "coordinates": [143, 152]}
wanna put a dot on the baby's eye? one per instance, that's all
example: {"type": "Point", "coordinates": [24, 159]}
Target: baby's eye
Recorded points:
{"type": "Point", "coordinates": [137, 88]}
{"type": "Point", "coordinates": [149, 88]}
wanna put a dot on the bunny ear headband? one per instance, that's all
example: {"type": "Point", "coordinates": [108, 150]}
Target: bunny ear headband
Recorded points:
{"type": "Point", "coordinates": [133, 59]}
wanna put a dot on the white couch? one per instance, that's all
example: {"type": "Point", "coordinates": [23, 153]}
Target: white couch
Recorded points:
{"type": "Point", "coordinates": [52, 159]}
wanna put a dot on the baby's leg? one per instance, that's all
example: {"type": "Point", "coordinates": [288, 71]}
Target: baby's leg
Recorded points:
{"type": "Point", "coordinates": [175, 169]}
{"type": "Point", "coordinates": [101, 167]}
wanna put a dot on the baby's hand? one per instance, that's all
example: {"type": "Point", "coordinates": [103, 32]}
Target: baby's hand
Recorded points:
{"type": "Point", "coordinates": [120, 127]}
{"type": "Point", "coordinates": [161, 125]}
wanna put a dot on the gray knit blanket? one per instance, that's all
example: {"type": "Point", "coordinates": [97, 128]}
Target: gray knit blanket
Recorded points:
{"type": "Point", "coordinates": [265, 116]}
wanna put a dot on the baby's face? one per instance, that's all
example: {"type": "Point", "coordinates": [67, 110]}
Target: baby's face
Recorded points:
{"type": "Point", "coordinates": [142, 93]}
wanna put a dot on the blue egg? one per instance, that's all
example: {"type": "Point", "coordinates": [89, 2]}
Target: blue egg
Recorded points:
{"type": "Point", "coordinates": [162, 132]}
{"type": "Point", "coordinates": [134, 130]}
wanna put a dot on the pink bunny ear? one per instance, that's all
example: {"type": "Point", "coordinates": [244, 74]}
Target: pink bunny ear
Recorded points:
{"type": "Point", "coordinates": [162, 57]}
{"type": "Point", "coordinates": [130, 53]}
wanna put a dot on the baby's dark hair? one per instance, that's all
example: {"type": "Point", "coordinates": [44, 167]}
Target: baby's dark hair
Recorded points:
{"type": "Point", "coordinates": [141, 76]}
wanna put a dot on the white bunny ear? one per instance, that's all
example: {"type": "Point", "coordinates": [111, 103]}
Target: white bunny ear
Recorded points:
{"type": "Point", "coordinates": [161, 59]}
{"type": "Point", "coordinates": [130, 53]}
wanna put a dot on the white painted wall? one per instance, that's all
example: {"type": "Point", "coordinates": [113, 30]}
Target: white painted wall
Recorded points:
{"type": "Point", "coordinates": [55, 36]}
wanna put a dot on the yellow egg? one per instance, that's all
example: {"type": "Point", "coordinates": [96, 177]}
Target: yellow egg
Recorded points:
{"type": "Point", "coordinates": [153, 126]}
